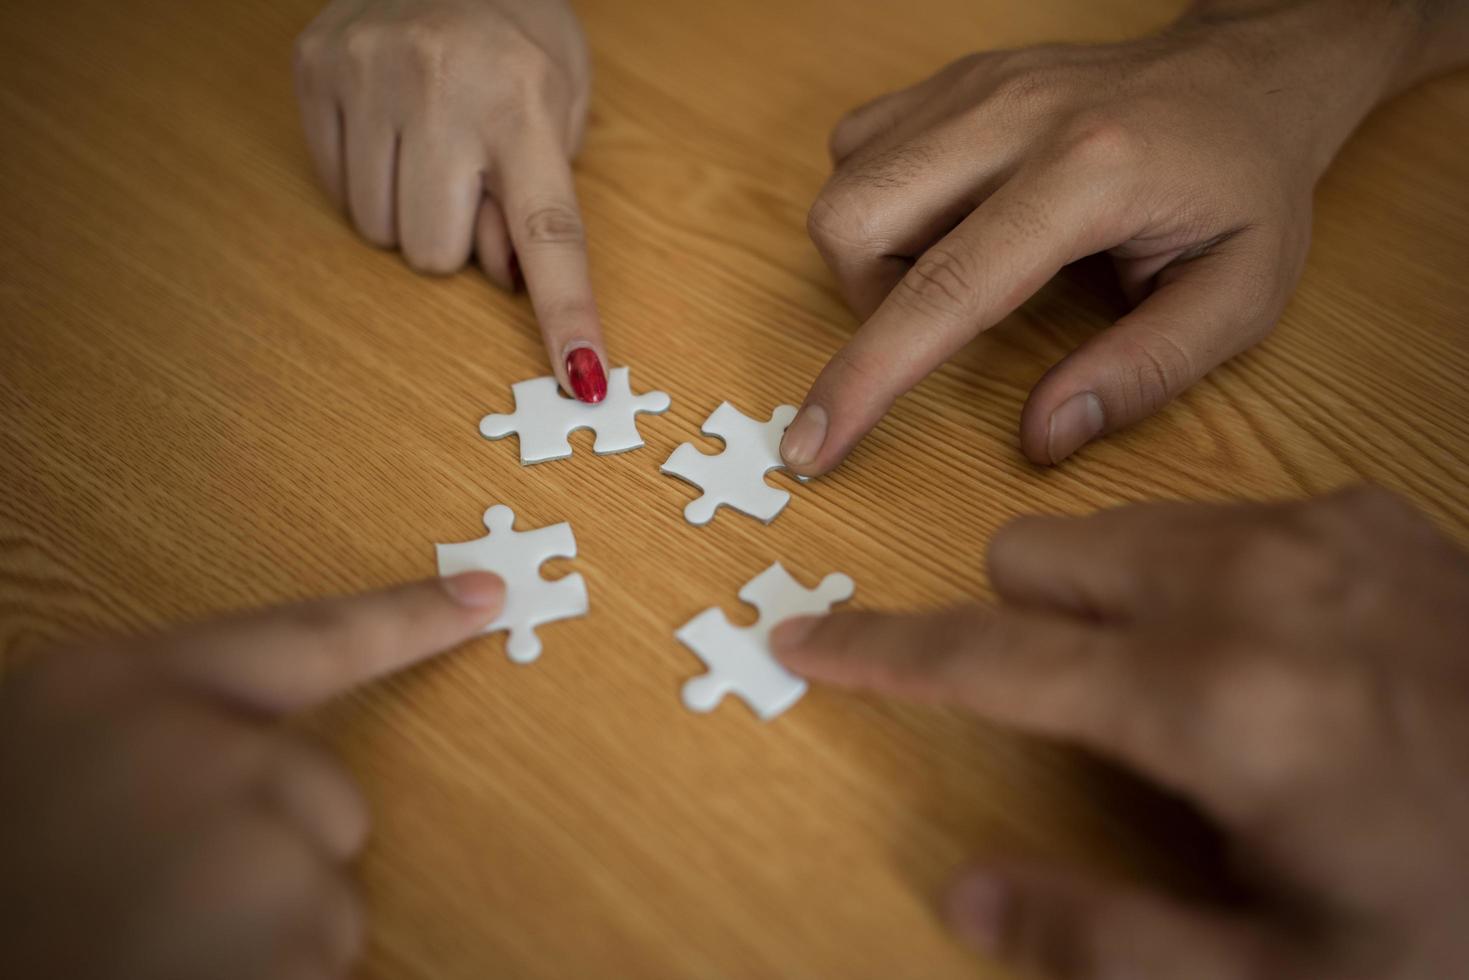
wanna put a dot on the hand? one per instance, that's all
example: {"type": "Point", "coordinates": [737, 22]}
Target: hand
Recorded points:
{"type": "Point", "coordinates": [1190, 157]}
{"type": "Point", "coordinates": [155, 820]}
{"type": "Point", "coordinates": [449, 125]}
{"type": "Point", "coordinates": [1299, 671]}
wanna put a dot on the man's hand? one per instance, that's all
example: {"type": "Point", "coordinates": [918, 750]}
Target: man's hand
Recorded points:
{"type": "Point", "coordinates": [445, 126]}
{"type": "Point", "coordinates": [157, 822]}
{"type": "Point", "coordinates": [1189, 157]}
{"type": "Point", "coordinates": [1299, 671]}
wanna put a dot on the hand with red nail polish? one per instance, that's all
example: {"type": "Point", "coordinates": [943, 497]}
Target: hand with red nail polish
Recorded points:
{"type": "Point", "coordinates": [445, 127]}
{"type": "Point", "coordinates": [158, 818]}
{"type": "Point", "coordinates": [1299, 672]}
{"type": "Point", "coordinates": [1189, 157]}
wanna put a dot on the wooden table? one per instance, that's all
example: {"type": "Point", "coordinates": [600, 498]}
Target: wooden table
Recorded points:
{"type": "Point", "coordinates": [214, 395]}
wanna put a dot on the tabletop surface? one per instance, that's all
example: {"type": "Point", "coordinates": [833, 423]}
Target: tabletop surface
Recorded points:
{"type": "Point", "coordinates": [215, 395]}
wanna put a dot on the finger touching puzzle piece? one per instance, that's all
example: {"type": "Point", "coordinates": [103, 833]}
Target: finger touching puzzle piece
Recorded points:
{"type": "Point", "coordinates": [544, 417]}
{"type": "Point", "coordinates": [739, 658]}
{"type": "Point", "coordinates": [517, 556]}
{"type": "Point", "coordinates": [735, 477]}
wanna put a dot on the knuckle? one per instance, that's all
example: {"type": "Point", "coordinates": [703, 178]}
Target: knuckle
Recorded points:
{"type": "Point", "coordinates": [1373, 502]}
{"type": "Point", "coordinates": [862, 125]}
{"type": "Point", "coordinates": [429, 50]}
{"type": "Point", "coordinates": [1260, 691]}
{"type": "Point", "coordinates": [569, 310]}
{"type": "Point", "coordinates": [851, 370]}
{"type": "Point", "coordinates": [1016, 88]}
{"type": "Point", "coordinates": [1285, 554]}
{"type": "Point", "coordinates": [1154, 368]}
{"type": "Point", "coordinates": [318, 622]}
{"type": "Point", "coordinates": [1101, 142]}
{"type": "Point", "coordinates": [555, 223]}
{"type": "Point", "coordinates": [943, 283]}
{"type": "Point", "coordinates": [838, 222]}
{"type": "Point", "coordinates": [327, 637]}
{"type": "Point", "coordinates": [530, 75]}
{"type": "Point", "coordinates": [978, 72]}
{"type": "Point", "coordinates": [1280, 719]}
{"type": "Point", "coordinates": [843, 138]}
{"type": "Point", "coordinates": [888, 168]}
{"type": "Point", "coordinates": [361, 44]}
{"type": "Point", "coordinates": [307, 53]}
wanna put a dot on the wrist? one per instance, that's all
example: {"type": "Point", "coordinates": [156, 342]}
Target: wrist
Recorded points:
{"type": "Point", "coordinates": [1327, 63]}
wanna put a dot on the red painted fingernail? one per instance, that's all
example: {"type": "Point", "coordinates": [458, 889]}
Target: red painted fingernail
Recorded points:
{"type": "Point", "coordinates": [517, 278]}
{"type": "Point", "coordinates": [584, 369]}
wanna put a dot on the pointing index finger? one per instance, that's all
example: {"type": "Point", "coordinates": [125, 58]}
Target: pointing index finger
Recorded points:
{"type": "Point", "coordinates": [296, 657]}
{"type": "Point", "coordinates": [965, 284]}
{"type": "Point", "coordinates": [1042, 673]}
{"type": "Point", "coordinates": [546, 229]}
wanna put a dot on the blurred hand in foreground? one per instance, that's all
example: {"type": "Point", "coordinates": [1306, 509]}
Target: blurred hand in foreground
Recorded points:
{"type": "Point", "coordinates": [156, 820]}
{"type": "Point", "coordinates": [1299, 671]}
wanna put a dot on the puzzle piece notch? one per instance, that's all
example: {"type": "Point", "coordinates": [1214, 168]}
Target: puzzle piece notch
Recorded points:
{"type": "Point", "coordinates": [739, 658]}
{"type": "Point", "coordinates": [735, 477]}
{"type": "Point", "coordinates": [517, 556]}
{"type": "Point", "coordinates": [544, 417]}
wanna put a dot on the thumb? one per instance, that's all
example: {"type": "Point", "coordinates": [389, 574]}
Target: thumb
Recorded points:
{"type": "Point", "coordinates": [1203, 311]}
{"type": "Point", "coordinates": [1064, 927]}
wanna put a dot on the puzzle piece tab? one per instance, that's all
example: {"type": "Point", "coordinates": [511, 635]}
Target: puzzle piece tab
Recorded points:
{"type": "Point", "coordinates": [544, 417]}
{"type": "Point", "coordinates": [736, 476]}
{"type": "Point", "coordinates": [516, 556]}
{"type": "Point", "coordinates": [739, 658]}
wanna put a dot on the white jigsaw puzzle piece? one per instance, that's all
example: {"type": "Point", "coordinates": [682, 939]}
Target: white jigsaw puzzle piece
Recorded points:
{"type": "Point", "coordinates": [739, 658]}
{"type": "Point", "coordinates": [735, 477]}
{"type": "Point", "coordinates": [517, 556]}
{"type": "Point", "coordinates": [544, 417]}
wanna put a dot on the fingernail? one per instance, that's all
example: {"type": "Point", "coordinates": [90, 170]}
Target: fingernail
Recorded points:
{"type": "Point", "coordinates": [517, 278]}
{"type": "Point", "coordinates": [792, 634]}
{"type": "Point", "coordinates": [584, 371]}
{"type": "Point", "coordinates": [804, 437]}
{"type": "Point", "coordinates": [1078, 421]}
{"type": "Point", "coordinates": [977, 906]}
{"type": "Point", "coordinates": [475, 590]}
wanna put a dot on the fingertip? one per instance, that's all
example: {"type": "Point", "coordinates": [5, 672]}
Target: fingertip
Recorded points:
{"type": "Point", "coordinates": [586, 374]}
{"type": "Point", "coordinates": [804, 439]}
{"type": "Point", "coordinates": [1035, 421]}
{"type": "Point", "coordinates": [788, 640]}
{"type": "Point", "coordinates": [483, 592]}
{"type": "Point", "coordinates": [1075, 422]}
{"type": "Point", "coordinates": [1008, 542]}
{"type": "Point", "coordinates": [976, 909]}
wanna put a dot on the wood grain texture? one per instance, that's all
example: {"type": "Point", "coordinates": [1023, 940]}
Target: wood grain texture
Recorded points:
{"type": "Point", "coordinates": [215, 396]}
